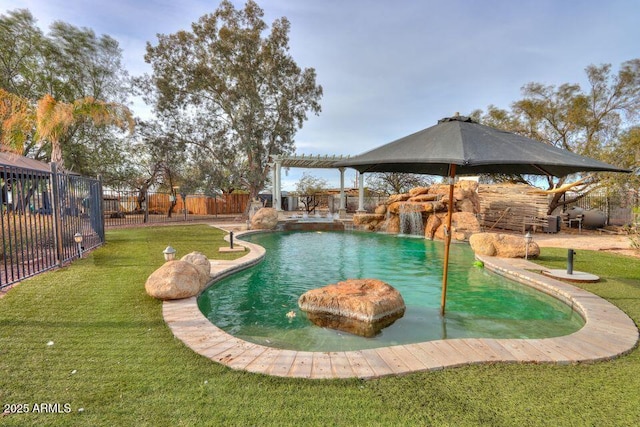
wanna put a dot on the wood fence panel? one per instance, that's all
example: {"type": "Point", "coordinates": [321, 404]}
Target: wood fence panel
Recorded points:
{"type": "Point", "coordinates": [512, 206]}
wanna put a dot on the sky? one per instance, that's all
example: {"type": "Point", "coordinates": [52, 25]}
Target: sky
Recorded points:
{"type": "Point", "coordinates": [391, 68]}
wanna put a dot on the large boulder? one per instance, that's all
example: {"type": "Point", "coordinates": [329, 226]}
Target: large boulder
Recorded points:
{"type": "Point", "coordinates": [433, 222]}
{"type": "Point", "coordinates": [394, 207]}
{"type": "Point", "coordinates": [368, 221]}
{"type": "Point", "coordinates": [363, 219]}
{"type": "Point", "coordinates": [424, 198]}
{"type": "Point", "coordinates": [202, 263]}
{"type": "Point", "coordinates": [463, 225]}
{"type": "Point", "coordinates": [466, 205]}
{"type": "Point", "coordinates": [503, 245]}
{"type": "Point", "coordinates": [398, 198]}
{"type": "Point", "coordinates": [175, 280]}
{"type": "Point", "coordinates": [381, 209]}
{"type": "Point", "coordinates": [358, 306]}
{"type": "Point", "coordinates": [392, 225]}
{"type": "Point", "coordinates": [416, 191]}
{"type": "Point", "coordinates": [265, 219]}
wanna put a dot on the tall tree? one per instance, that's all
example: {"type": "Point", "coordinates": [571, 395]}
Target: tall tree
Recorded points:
{"type": "Point", "coordinates": [16, 122]}
{"type": "Point", "coordinates": [308, 189]}
{"type": "Point", "coordinates": [397, 183]}
{"type": "Point", "coordinates": [52, 120]}
{"type": "Point", "coordinates": [22, 55]}
{"type": "Point", "coordinates": [232, 89]}
{"type": "Point", "coordinates": [55, 119]}
{"type": "Point", "coordinates": [69, 64]}
{"type": "Point", "coordinates": [587, 122]}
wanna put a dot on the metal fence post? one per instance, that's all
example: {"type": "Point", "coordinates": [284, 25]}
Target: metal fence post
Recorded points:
{"type": "Point", "coordinates": [100, 211]}
{"type": "Point", "coordinates": [146, 206]}
{"type": "Point", "coordinates": [55, 206]}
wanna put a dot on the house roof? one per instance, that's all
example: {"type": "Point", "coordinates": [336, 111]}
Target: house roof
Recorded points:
{"type": "Point", "coordinates": [18, 161]}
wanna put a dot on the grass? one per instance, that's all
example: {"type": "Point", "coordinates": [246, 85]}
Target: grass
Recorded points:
{"type": "Point", "coordinates": [114, 362]}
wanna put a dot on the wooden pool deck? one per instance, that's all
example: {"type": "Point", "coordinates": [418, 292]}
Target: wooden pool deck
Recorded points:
{"type": "Point", "coordinates": [608, 333]}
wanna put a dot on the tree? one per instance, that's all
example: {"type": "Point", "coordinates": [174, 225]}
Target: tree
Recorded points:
{"type": "Point", "coordinates": [232, 91]}
{"type": "Point", "coordinates": [55, 119]}
{"type": "Point", "coordinates": [589, 122]}
{"type": "Point", "coordinates": [16, 120]}
{"type": "Point", "coordinates": [70, 64]}
{"type": "Point", "coordinates": [626, 153]}
{"type": "Point", "coordinates": [396, 183]}
{"type": "Point", "coordinates": [22, 55]}
{"type": "Point", "coordinates": [160, 161]}
{"type": "Point", "coordinates": [307, 190]}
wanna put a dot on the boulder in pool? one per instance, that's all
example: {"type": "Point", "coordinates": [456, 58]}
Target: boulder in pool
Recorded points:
{"type": "Point", "coordinates": [358, 306]}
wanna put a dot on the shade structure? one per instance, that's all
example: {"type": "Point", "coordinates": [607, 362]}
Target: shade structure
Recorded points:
{"type": "Point", "coordinates": [460, 146]}
{"type": "Point", "coordinates": [474, 149]}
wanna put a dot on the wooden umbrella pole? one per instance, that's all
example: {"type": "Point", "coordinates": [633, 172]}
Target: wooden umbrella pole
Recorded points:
{"type": "Point", "coordinates": [447, 240]}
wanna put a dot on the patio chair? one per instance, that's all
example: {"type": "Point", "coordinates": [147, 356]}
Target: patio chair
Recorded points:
{"type": "Point", "coordinates": [577, 219]}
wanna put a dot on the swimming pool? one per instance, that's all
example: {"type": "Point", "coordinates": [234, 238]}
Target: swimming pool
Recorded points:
{"type": "Point", "coordinates": [253, 304]}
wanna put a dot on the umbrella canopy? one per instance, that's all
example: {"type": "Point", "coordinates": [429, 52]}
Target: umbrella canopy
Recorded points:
{"type": "Point", "coordinates": [458, 145]}
{"type": "Point", "coordinates": [474, 149]}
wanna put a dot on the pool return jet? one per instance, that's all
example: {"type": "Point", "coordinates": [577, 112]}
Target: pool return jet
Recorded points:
{"type": "Point", "coordinates": [458, 146]}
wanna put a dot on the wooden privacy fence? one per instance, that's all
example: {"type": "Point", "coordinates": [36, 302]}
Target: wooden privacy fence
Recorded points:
{"type": "Point", "coordinates": [515, 207]}
{"type": "Point", "coordinates": [199, 204]}
{"type": "Point", "coordinates": [130, 207]}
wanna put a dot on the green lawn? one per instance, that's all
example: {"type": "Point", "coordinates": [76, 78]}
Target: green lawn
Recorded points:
{"type": "Point", "coordinates": [113, 362]}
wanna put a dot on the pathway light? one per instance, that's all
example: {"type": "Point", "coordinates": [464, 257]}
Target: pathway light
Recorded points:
{"type": "Point", "coordinates": [528, 238]}
{"type": "Point", "coordinates": [78, 239]}
{"type": "Point", "coordinates": [169, 253]}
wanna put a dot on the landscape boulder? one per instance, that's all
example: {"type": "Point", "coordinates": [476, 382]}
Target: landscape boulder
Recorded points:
{"type": "Point", "coordinates": [463, 225]}
{"type": "Point", "coordinates": [368, 221]}
{"type": "Point", "coordinates": [416, 191]}
{"type": "Point", "coordinates": [174, 280]}
{"type": "Point", "coordinates": [431, 226]}
{"type": "Point", "coordinates": [398, 198]}
{"type": "Point", "coordinates": [392, 225]}
{"type": "Point", "coordinates": [203, 265]}
{"type": "Point", "coordinates": [264, 219]}
{"type": "Point", "coordinates": [503, 245]}
{"type": "Point", "coordinates": [358, 306]}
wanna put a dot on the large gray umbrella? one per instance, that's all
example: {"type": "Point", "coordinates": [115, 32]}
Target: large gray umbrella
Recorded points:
{"type": "Point", "coordinates": [458, 145]}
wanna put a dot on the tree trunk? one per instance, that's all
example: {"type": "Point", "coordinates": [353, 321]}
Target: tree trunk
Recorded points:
{"type": "Point", "coordinates": [56, 154]}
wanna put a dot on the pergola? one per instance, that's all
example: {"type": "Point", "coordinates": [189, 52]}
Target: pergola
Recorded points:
{"type": "Point", "coordinates": [311, 162]}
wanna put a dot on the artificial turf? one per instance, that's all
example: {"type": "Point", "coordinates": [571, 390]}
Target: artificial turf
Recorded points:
{"type": "Point", "coordinates": [85, 345]}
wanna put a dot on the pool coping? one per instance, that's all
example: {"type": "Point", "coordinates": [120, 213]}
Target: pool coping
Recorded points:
{"type": "Point", "coordinates": [608, 333]}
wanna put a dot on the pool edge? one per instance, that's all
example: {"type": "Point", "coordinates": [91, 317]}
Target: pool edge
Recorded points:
{"type": "Point", "coordinates": [608, 333]}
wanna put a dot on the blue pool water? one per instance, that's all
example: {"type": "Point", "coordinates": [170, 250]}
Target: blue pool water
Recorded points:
{"type": "Point", "coordinates": [253, 304]}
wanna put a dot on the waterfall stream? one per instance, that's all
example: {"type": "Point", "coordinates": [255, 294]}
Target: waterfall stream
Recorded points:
{"type": "Point", "coordinates": [411, 220]}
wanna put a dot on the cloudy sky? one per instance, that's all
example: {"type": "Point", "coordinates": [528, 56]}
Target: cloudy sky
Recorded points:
{"type": "Point", "coordinates": [390, 68]}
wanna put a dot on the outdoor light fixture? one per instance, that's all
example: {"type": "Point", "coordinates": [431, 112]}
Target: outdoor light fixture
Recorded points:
{"type": "Point", "coordinates": [78, 239]}
{"type": "Point", "coordinates": [169, 253]}
{"type": "Point", "coordinates": [527, 239]}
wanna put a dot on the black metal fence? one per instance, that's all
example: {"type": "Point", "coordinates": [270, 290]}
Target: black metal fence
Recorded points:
{"type": "Point", "coordinates": [44, 213]}
{"type": "Point", "coordinates": [619, 208]}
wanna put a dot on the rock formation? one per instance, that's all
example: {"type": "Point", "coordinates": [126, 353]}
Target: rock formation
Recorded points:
{"type": "Point", "coordinates": [202, 263]}
{"type": "Point", "coordinates": [180, 278]}
{"type": "Point", "coordinates": [359, 306]}
{"type": "Point", "coordinates": [432, 203]}
{"type": "Point", "coordinates": [503, 245]}
{"type": "Point", "coordinates": [264, 219]}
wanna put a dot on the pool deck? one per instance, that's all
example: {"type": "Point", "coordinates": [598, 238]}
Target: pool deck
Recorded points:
{"type": "Point", "coordinates": [608, 333]}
